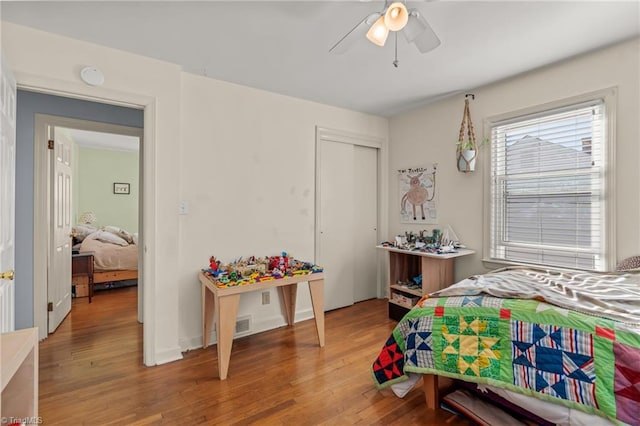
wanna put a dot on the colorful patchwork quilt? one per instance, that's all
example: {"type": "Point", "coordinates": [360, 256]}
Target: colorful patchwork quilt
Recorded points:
{"type": "Point", "coordinates": [583, 360]}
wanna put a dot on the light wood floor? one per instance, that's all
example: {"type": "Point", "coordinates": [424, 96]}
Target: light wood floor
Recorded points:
{"type": "Point", "coordinates": [91, 373]}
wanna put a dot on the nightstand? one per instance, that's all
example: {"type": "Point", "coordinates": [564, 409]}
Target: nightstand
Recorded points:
{"type": "Point", "coordinates": [82, 268]}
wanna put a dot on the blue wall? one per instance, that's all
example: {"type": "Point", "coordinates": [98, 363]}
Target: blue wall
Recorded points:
{"type": "Point", "coordinates": [29, 104]}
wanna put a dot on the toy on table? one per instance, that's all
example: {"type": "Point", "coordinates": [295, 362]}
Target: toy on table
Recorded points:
{"type": "Point", "coordinates": [213, 264]}
{"type": "Point", "coordinates": [280, 263]}
{"type": "Point", "coordinates": [423, 242]}
{"type": "Point", "coordinates": [252, 270]}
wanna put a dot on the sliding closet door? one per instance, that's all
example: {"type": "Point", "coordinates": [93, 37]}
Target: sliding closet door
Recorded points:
{"type": "Point", "coordinates": [336, 213]}
{"type": "Point", "coordinates": [365, 222]}
{"type": "Point", "coordinates": [347, 220]}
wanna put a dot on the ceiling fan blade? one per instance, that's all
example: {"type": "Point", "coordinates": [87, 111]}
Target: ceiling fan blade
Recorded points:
{"type": "Point", "coordinates": [419, 31]}
{"type": "Point", "coordinates": [356, 33]}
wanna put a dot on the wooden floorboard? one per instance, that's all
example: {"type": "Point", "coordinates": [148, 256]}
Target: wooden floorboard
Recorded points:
{"type": "Point", "coordinates": [91, 373]}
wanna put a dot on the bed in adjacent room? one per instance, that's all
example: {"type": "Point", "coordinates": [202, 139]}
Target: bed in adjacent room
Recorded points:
{"type": "Point", "coordinates": [115, 253]}
{"type": "Point", "coordinates": [571, 339]}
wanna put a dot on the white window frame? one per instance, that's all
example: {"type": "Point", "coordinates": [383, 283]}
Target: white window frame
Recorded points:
{"type": "Point", "coordinates": [609, 98]}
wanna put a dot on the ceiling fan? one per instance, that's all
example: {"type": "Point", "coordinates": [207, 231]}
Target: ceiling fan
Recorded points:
{"type": "Point", "coordinates": [393, 17]}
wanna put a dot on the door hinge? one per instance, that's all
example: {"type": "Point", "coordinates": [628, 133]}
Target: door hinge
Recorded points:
{"type": "Point", "coordinates": [50, 144]}
{"type": "Point", "coordinates": [50, 307]}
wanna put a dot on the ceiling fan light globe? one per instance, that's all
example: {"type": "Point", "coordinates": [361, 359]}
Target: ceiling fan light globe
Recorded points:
{"type": "Point", "coordinates": [378, 32]}
{"type": "Point", "coordinates": [396, 16]}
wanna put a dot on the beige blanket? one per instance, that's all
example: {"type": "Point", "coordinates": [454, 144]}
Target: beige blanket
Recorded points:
{"type": "Point", "coordinates": [111, 257]}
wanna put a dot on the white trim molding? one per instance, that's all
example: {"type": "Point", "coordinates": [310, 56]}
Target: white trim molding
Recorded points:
{"type": "Point", "coordinates": [151, 354]}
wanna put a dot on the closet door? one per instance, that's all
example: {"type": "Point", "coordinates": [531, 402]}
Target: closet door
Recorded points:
{"type": "Point", "coordinates": [365, 222]}
{"type": "Point", "coordinates": [347, 220]}
{"type": "Point", "coordinates": [336, 228]}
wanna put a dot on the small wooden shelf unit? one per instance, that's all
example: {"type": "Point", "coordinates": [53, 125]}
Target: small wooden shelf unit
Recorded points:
{"type": "Point", "coordinates": [437, 272]}
{"type": "Point", "coordinates": [82, 274]}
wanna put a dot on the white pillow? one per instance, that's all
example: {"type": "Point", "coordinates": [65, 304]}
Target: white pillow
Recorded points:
{"type": "Point", "coordinates": [120, 233]}
{"type": "Point", "coordinates": [107, 237]}
{"type": "Point", "coordinates": [82, 231]}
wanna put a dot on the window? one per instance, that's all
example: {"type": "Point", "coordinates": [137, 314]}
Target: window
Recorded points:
{"type": "Point", "coordinates": [548, 188]}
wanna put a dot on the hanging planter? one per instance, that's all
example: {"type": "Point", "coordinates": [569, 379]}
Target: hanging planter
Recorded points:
{"type": "Point", "coordinates": [467, 160]}
{"type": "Point", "coordinates": [466, 149]}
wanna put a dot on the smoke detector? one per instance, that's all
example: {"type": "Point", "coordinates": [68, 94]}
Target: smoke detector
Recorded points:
{"type": "Point", "coordinates": [92, 76]}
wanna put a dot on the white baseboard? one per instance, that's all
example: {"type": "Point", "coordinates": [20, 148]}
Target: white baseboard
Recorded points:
{"type": "Point", "coordinates": [189, 343]}
{"type": "Point", "coordinates": [168, 355]}
{"type": "Point", "coordinates": [195, 342]}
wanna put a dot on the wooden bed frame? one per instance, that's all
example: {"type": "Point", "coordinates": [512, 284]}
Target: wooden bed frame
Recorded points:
{"type": "Point", "coordinates": [110, 276]}
{"type": "Point", "coordinates": [431, 391]}
{"type": "Point", "coordinates": [432, 385]}
{"type": "Point", "coordinates": [120, 275]}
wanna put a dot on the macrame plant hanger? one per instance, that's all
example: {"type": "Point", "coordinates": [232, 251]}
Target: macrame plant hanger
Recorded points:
{"type": "Point", "coordinates": [467, 151]}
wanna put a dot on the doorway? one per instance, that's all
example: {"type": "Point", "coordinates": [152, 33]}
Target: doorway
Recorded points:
{"type": "Point", "coordinates": [31, 254]}
{"type": "Point", "coordinates": [93, 135]}
{"type": "Point", "coordinates": [348, 215]}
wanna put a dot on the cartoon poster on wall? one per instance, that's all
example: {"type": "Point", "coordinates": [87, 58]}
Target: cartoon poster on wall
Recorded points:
{"type": "Point", "coordinates": [418, 197]}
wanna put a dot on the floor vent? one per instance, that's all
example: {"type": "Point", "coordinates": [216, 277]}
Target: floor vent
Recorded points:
{"type": "Point", "coordinates": [243, 325]}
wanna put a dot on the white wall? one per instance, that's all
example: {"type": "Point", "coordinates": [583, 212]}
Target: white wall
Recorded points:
{"type": "Point", "coordinates": [51, 63]}
{"type": "Point", "coordinates": [97, 170]}
{"type": "Point", "coordinates": [248, 175]}
{"type": "Point", "coordinates": [429, 134]}
{"type": "Point", "coordinates": [242, 158]}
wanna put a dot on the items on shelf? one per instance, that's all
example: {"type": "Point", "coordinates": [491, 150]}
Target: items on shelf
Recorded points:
{"type": "Point", "coordinates": [406, 300]}
{"type": "Point", "coordinates": [439, 242]}
{"type": "Point", "coordinates": [414, 284]}
{"type": "Point", "coordinates": [252, 270]}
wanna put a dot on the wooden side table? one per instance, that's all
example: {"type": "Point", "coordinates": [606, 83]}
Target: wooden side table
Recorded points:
{"type": "Point", "coordinates": [82, 266]}
{"type": "Point", "coordinates": [437, 272]}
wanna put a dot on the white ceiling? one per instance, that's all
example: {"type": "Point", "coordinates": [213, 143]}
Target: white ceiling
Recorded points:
{"type": "Point", "coordinates": [100, 140]}
{"type": "Point", "coordinates": [283, 46]}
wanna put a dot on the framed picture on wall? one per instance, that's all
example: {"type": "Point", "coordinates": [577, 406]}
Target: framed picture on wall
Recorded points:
{"type": "Point", "coordinates": [121, 188]}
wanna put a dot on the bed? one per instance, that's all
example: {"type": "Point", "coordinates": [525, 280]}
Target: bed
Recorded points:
{"type": "Point", "coordinates": [115, 253]}
{"type": "Point", "coordinates": [567, 338]}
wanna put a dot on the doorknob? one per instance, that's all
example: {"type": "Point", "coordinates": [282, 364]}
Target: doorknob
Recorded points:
{"type": "Point", "coordinates": [7, 275]}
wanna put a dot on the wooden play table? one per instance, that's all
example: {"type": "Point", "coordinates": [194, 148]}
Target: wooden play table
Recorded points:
{"type": "Point", "coordinates": [223, 303]}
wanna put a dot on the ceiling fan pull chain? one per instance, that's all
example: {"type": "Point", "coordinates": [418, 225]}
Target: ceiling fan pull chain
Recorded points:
{"type": "Point", "coordinates": [396, 62]}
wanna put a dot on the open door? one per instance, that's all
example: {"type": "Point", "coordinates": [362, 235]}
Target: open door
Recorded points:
{"type": "Point", "coordinates": [59, 274]}
{"type": "Point", "coordinates": [7, 195]}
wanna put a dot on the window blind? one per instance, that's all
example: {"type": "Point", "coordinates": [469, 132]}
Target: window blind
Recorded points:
{"type": "Point", "coordinates": [548, 188]}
